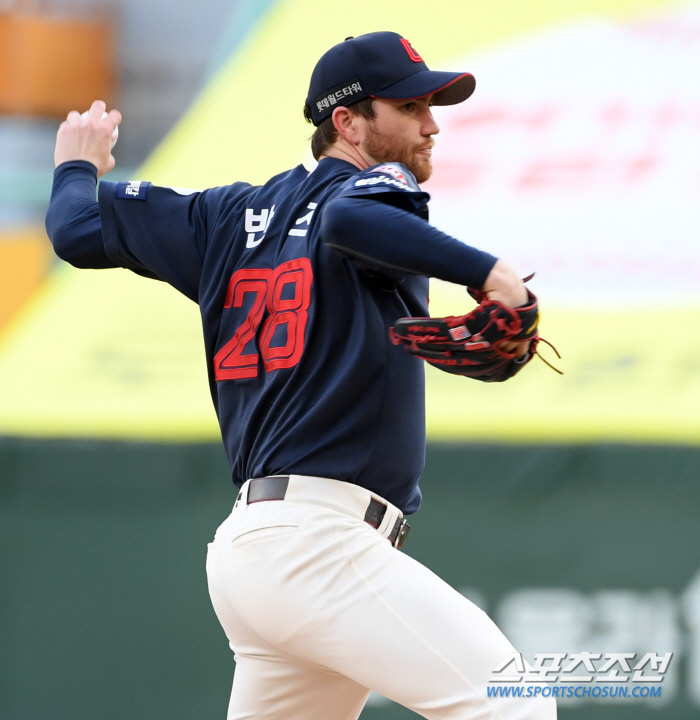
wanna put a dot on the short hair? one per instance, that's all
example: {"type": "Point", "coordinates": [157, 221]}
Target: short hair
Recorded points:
{"type": "Point", "coordinates": [326, 134]}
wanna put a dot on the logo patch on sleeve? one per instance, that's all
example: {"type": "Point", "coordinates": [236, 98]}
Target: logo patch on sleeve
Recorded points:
{"type": "Point", "coordinates": [380, 180]}
{"type": "Point", "coordinates": [133, 190]}
{"type": "Point", "coordinates": [393, 171]}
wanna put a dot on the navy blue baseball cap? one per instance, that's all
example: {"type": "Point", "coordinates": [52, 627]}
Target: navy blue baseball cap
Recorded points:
{"type": "Point", "coordinates": [381, 65]}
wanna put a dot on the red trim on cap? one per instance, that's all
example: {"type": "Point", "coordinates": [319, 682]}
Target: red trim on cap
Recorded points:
{"type": "Point", "coordinates": [411, 52]}
{"type": "Point", "coordinates": [434, 92]}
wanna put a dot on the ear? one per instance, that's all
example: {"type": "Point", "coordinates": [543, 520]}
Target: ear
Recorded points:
{"type": "Point", "coordinates": [348, 125]}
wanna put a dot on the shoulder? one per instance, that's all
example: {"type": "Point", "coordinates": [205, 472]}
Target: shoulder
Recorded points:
{"type": "Point", "coordinates": [389, 183]}
{"type": "Point", "coordinates": [393, 175]}
{"type": "Point", "coordinates": [384, 178]}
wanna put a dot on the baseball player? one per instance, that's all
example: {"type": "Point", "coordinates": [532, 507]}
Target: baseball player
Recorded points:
{"type": "Point", "coordinates": [322, 417]}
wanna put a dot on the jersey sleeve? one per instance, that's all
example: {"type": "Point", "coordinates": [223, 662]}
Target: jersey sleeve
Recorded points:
{"type": "Point", "coordinates": [149, 228]}
{"type": "Point", "coordinates": [161, 230]}
{"type": "Point", "coordinates": [73, 217]}
{"type": "Point", "coordinates": [382, 224]}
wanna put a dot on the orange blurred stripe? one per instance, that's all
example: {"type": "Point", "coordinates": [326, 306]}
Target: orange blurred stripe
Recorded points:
{"type": "Point", "coordinates": [25, 257]}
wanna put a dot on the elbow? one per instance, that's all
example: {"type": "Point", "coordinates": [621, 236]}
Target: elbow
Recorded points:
{"type": "Point", "coordinates": [337, 221]}
{"type": "Point", "coordinates": [61, 240]}
{"type": "Point", "coordinates": [342, 222]}
{"type": "Point", "coordinates": [66, 244]}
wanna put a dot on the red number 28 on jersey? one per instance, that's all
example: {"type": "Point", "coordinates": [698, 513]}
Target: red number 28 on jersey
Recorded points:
{"type": "Point", "coordinates": [268, 286]}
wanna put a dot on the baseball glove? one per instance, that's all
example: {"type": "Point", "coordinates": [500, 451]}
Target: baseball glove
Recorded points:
{"type": "Point", "coordinates": [476, 345]}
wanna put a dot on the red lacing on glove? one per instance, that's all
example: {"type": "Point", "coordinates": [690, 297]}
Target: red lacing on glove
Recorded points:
{"type": "Point", "coordinates": [546, 362]}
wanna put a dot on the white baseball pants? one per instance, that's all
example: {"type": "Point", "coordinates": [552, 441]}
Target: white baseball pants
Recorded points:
{"type": "Point", "coordinates": [319, 608]}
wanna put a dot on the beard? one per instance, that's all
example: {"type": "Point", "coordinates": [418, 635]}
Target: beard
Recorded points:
{"type": "Point", "coordinates": [389, 148]}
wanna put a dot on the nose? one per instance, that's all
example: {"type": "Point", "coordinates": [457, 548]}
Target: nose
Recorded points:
{"type": "Point", "coordinates": [429, 126]}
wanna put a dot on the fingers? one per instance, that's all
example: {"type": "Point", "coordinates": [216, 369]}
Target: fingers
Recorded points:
{"type": "Point", "coordinates": [97, 110]}
{"type": "Point", "coordinates": [89, 136]}
{"type": "Point", "coordinates": [522, 349]}
{"type": "Point", "coordinates": [114, 117]}
{"type": "Point", "coordinates": [516, 349]}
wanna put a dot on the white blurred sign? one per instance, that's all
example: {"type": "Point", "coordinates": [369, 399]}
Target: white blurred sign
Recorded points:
{"type": "Point", "coordinates": [578, 157]}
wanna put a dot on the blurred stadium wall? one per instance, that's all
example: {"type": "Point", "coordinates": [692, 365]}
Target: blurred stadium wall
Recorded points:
{"type": "Point", "coordinates": [566, 506]}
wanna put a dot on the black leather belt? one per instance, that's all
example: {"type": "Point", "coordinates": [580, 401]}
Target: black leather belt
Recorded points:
{"type": "Point", "coordinates": [275, 488]}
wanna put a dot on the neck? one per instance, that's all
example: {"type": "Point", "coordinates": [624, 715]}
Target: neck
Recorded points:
{"type": "Point", "coordinates": [343, 150]}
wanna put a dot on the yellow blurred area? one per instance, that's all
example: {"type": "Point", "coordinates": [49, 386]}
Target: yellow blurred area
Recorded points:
{"type": "Point", "coordinates": [108, 354]}
{"type": "Point", "coordinates": [629, 375]}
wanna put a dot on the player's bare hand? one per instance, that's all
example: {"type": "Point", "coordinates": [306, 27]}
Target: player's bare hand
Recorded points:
{"type": "Point", "coordinates": [504, 284]}
{"type": "Point", "coordinates": [88, 138]}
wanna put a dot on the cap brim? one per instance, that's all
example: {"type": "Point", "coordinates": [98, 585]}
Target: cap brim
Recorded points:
{"type": "Point", "coordinates": [448, 88]}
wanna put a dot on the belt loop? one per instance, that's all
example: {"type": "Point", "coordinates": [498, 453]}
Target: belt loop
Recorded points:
{"type": "Point", "coordinates": [391, 515]}
{"type": "Point", "coordinates": [375, 513]}
{"type": "Point", "coordinates": [242, 497]}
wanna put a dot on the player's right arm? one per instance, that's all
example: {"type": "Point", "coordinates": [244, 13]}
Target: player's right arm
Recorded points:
{"type": "Point", "coordinates": [73, 218]}
{"type": "Point", "coordinates": [88, 139]}
{"type": "Point", "coordinates": [83, 153]}
{"type": "Point", "coordinates": [157, 232]}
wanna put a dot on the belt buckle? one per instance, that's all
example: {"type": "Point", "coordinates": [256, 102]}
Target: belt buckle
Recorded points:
{"type": "Point", "coordinates": [402, 534]}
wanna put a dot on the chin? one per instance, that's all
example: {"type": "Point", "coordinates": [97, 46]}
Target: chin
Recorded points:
{"type": "Point", "coordinates": [422, 171]}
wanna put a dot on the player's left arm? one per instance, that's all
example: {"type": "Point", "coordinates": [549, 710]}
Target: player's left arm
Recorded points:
{"type": "Point", "coordinates": [504, 285]}
{"type": "Point", "coordinates": [379, 220]}
{"type": "Point", "coordinates": [390, 237]}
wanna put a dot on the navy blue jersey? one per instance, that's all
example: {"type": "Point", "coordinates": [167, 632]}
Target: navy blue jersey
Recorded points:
{"type": "Point", "coordinates": [298, 282]}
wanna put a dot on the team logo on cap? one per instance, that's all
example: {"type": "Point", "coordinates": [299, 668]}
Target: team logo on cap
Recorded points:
{"type": "Point", "coordinates": [411, 52]}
